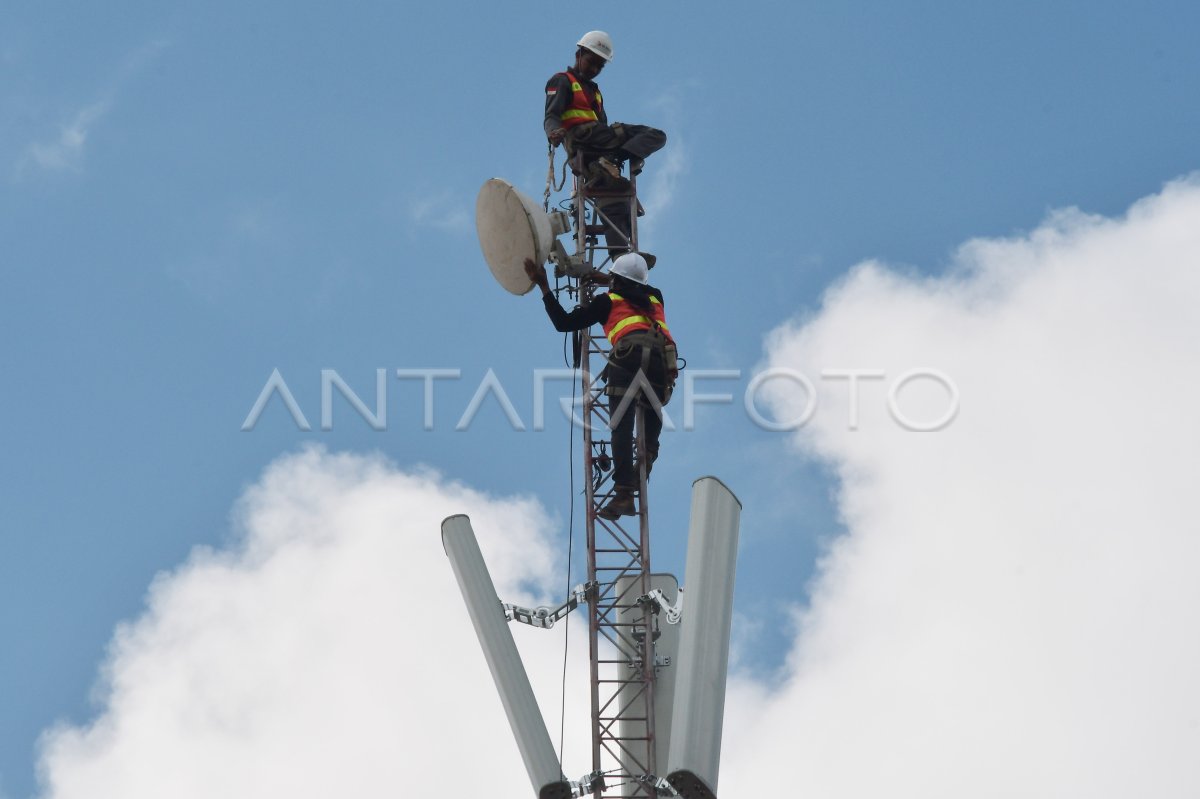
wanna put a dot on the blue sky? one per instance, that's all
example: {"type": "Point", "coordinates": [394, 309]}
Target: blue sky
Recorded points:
{"type": "Point", "coordinates": [193, 197]}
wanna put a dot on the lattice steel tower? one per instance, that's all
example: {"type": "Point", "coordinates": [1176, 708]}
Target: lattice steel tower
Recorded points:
{"type": "Point", "coordinates": [623, 614]}
{"type": "Point", "coordinates": [656, 678]}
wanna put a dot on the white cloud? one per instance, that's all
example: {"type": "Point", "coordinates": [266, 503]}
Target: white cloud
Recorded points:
{"type": "Point", "coordinates": [1014, 610]}
{"type": "Point", "coordinates": [440, 211]}
{"type": "Point", "coordinates": [666, 168]}
{"type": "Point", "coordinates": [328, 653]}
{"type": "Point", "coordinates": [64, 151]}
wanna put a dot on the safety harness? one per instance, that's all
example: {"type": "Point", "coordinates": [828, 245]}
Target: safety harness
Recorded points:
{"type": "Point", "coordinates": [628, 327]}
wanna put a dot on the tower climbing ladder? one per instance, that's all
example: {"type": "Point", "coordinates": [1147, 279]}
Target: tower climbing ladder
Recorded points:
{"type": "Point", "coordinates": [623, 617]}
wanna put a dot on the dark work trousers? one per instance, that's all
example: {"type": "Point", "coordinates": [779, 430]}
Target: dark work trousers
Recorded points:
{"type": "Point", "coordinates": [618, 225]}
{"type": "Point", "coordinates": [625, 361]}
{"type": "Point", "coordinates": [620, 140]}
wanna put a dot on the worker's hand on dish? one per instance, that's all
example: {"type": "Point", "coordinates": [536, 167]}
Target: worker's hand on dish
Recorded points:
{"type": "Point", "coordinates": [557, 135]}
{"type": "Point", "coordinates": [537, 274]}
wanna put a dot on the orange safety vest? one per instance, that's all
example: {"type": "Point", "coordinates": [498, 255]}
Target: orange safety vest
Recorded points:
{"type": "Point", "coordinates": [625, 317]}
{"type": "Point", "coordinates": [580, 110]}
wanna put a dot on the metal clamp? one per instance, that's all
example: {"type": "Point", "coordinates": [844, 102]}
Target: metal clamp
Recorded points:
{"type": "Point", "coordinates": [660, 786]}
{"type": "Point", "coordinates": [659, 603]}
{"type": "Point", "coordinates": [543, 616]}
{"type": "Point", "coordinates": [588, 783]}
{"type": "Point", "coordinates": [566, 265]}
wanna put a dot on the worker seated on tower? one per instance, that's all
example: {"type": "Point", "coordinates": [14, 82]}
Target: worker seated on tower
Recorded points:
{"type": "Point", "coordinates": [575, 117]}
{"type": "Point", "coordinates": [642, 365]}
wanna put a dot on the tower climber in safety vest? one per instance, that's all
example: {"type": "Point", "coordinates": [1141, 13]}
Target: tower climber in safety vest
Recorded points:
{"type": "Point", "coordinates": [636, 326]}
{"type": "Point", "coordinates": [575, 113]}
{"type": "Point", "coordinates": [575, 117]}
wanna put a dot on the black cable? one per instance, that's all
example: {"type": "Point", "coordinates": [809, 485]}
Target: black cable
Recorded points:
{"type": "Point", "coordinates": [562, 723]}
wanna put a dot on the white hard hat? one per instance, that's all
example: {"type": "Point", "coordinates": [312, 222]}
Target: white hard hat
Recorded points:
{"type": "Point", "coordinates": [631, 266]}
{"type": "Point", "coordinates": [598, 42]}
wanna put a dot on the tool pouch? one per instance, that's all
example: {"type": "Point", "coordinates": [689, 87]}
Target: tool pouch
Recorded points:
{"type": "Point", "coordinates": [671, 368]}
{"type": "Point", "coordinates": [648, 351]}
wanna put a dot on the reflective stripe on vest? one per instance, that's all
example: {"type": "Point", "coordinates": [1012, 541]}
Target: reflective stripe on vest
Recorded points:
{"type": "Point", "coordinates": [581, 109]}
{"type": "Point", "coordinates": [625, 317]}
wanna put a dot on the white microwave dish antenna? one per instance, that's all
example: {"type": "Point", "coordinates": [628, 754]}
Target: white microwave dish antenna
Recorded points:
{"type": "Point", "coordinates": [511, 228]}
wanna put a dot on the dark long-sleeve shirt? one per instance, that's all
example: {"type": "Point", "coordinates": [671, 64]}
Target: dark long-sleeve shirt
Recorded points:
{"type": "Point", "coordinates": [594, 313]}
{"type": "Point", "coordinates": [558, 98]}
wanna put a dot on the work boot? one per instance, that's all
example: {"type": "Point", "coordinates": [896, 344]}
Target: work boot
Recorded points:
{"type": "Point", "coordinates": [635, 166]}
{"type": "Point", "coordinates": [621, 504]}
{"type": "Point", "coordinates": [601, 178]}
{"type": "Point", "coordinates": [613, 168]}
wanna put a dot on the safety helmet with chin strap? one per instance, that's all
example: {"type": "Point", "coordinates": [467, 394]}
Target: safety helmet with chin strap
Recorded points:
{"type": "Point", "coordinates": [631, 266]}
{"type": "Point", "coordinates": [598, 42]}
